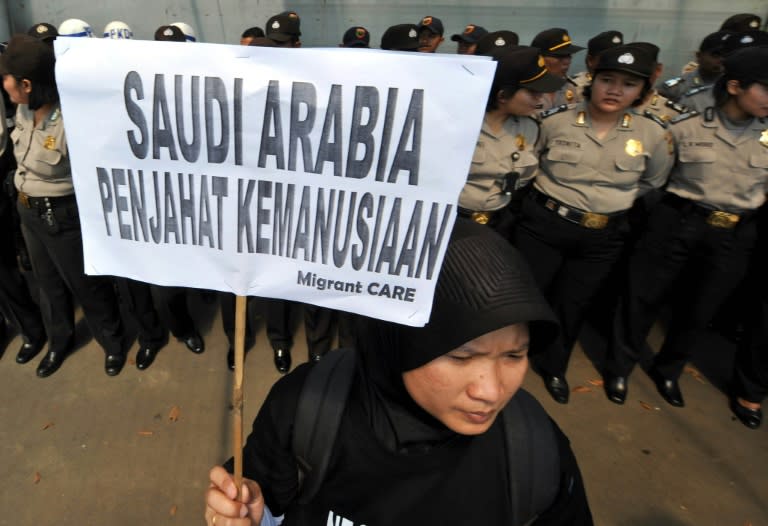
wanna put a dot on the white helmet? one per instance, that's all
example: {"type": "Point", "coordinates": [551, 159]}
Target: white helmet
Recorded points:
{"type": "Point", "coordinates": [74, 27]}
{"type": "Point", "coordinates": [118, 30]}
{"type": "Point", "coordinates": [187, 30]}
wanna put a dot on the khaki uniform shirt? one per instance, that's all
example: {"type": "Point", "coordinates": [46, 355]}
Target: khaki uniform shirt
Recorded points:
{"type": "Point", "coordinates": [690, 90]}
{"type": "Point", "coordinates": [512, 150]}
{"type": "Point", "coordinates": [41, 155]}
{"type": "Point", "coordinates": [570, 93]}
{"type": "Point", "coordinates": [722, 168]}
{"type": "Point", "coordinates": [601, 175]}
{"type": "Point", "coordinates": [661, 106]}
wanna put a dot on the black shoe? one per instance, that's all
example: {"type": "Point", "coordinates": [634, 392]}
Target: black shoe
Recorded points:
{"type": "Point", "coordinates": [557, 387]}
{"type": "Point", "coordinates": [114, 363]}
{"type": "Point", "coordinates": [752, 418]}
{"type": "Point", "coordinates": [50, 363]}
{"type": "Point", "coordinates": [29, 351]}
{"type": "Point", "coordinates": [144, 357]}
{"type": "Point", "coordinates": [194, 343]}
{"type": "Point", "coordinates": [616, 389]}
{"type": "Point", "coordinates": [283, 360]}
{"type": "Point", "coordinates": [231, 358]}
{"type": "Point", "coordinates": [667, 388]}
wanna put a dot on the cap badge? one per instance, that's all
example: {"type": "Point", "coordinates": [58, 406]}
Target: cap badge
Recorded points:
{"type": "Point", "coordinates": [275, 25]}
{"type": "Point", "coordinates": [292, 15]}
{"type": "Point", "coordinates": [50, 143]}
{"type": "Point", "coordinates": [360, 32]}
{"type": "Point", "coordinates": [566, 38]}
{"type": "Point", "coordinates": [168, 32]}
{"type": "Point", "coordinates": [470, 28]}
{"type": "Point", "coordinates": [616, 39]}
{"type": "Point", "coordinates": [41, 28]}
{"type": "Point", "coordinates": [764, 138]}
{"type": "Point", "coordinates": [626, 58]}
{"type": "Point", "coordinates": [520, 140]}
{"type": "Point", "coordinates": [426, 20]}
{"type": "Point", "coordinates": [540, 62]}
{"type": "Point", "coordinates": [747, 39]}
{"type": "Point", "coordinates": [634, 148]}
{"type": "Point", "coordinates": [500, 42]}
{"type": "Point", "coordinates": [754, 24]}
{"type": "Point", "coordinates": [412, 33]}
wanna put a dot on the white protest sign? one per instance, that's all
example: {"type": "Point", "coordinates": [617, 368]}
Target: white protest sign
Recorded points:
{"type": "Point", "coordinates": [325, 176]}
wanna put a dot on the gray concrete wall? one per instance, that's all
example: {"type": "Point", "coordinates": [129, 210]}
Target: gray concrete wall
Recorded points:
{"type": "Point", "coordinates": [677, 26]}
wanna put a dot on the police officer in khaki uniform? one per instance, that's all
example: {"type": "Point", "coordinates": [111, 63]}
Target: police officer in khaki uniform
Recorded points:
{"type": "Point", "coordinates": [655, 102]}
{"type": "Point", "coordinates": [504, 159]}
{"type": "Point", "coordinates": [596, 45]}
{"type": "Point", "coordinates": [595, 160]}
{"type": "Point", "coordinates": [48, 210]}
{"type": "Point", "coordinates": [557, 48]}
{"type": "Point", "coordinates": [702, 230]}
{"type": "Point", "coordinates": [694, 89]}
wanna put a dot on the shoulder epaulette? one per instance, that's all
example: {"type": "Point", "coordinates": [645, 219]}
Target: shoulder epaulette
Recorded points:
{"type": "Point", "coordinates": [553, 111]}
{"type": "Point", "coordinates": [570, 79]}
{"type": "Point", "coordinates": [655, 118]}
{"type": "Point", "coordinates": [684, 116]}
{"type": "Point", "coordinates": [671, 83]}
{"type": "Point", "coordinates": [679, 108]}
{"type": "Point", "coordinates": [698, 89]}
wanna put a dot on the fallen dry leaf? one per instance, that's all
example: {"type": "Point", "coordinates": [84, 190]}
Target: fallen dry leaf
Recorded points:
{"type": "Point", "coordinates": [48, 425]}
{"type": "Point", "coordinates": [596, 383]}
{"type": "Point", "coordinates": [173, 416]}
{"type": "Point", "coordinates": [695, 373]}
{"type": "Point", "coordinates": [146, 433]}
{"type": "Point", "coordinates": [647, 407]}
{"type": "Point", "coordinates": [173, 510]}
{"type": "Point", "coordinates": [37, 477]}
{"type": "Point", "coordinates": [581, 389]}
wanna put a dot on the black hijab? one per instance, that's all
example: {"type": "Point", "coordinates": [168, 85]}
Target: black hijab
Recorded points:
{"type": "Point", "coordinates": [484, 285]}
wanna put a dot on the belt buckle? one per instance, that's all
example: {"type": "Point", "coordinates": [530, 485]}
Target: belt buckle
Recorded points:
{"type": "Point", "coordinates": [720, 219]}
{"type": "Point", "coordinates": [595, 221]}
{"type": "Point", "coordinates": [24, 198]}
{"type": "Point", "coordinates": [482, 218]}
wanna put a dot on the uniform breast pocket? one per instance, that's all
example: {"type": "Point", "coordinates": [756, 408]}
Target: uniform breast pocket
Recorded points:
{"type": "Point", "coordinates": [479, 155]}
{"type": "Point", "coordinates": [759, 160]}
{"type": "Point", "coordinates": [565, 155]}
{"type": "Point", "coordinates": [48, 162]}
{"type": "Point", "coordinates": [631, 164]}
{"type": "Point", "coordinates": [696, 155]}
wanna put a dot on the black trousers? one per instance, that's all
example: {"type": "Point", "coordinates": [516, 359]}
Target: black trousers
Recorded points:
{"type": "Point", "coordinates": [55, 248]}
{"type": "Point", "coordinates": [318, 325]}
{"type": "Point", "coordinates": [174, 309]}
{"type": "Point", "coordinates": [136, 297]}
{"type": "Point", "coordinates": [569, 263]}
{"type": "Point", "coordinates": [227, 301]}
{"type": "Point", "coordinates": [678, 245]}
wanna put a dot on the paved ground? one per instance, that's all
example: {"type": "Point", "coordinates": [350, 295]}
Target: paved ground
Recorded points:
{"type": "Point", "coordinates": [80, 448]}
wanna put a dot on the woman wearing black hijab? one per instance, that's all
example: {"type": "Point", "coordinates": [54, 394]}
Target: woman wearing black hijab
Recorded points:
{"type": "Point", "coordinates": [419, 440]}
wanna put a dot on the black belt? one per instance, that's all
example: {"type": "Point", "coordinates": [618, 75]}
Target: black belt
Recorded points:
{"type": "Point", "coordinates": [714, 217]}
{"type": "Point", "coordinates": [573, 215]}
{"type": "Point", "coordinates": [46, 202]}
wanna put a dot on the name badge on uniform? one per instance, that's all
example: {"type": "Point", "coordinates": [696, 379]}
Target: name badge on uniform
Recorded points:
{"type": "Point", "coordinates": [50, 143]}
{"type": "Point", "coordinates": [633, 148]}
{"type": "Point", "coordinates": [764, 138]}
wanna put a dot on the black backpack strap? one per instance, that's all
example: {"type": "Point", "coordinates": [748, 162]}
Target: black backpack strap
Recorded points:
{"type": "Point", "coordinates": [318, 416]}
{"type": "Point", "coordinates": [532, 457]}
